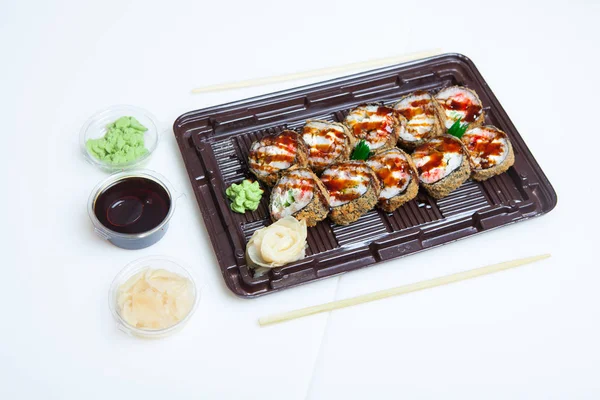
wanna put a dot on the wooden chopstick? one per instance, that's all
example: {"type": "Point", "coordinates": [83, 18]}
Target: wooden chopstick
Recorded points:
{"type": "Point", "coordinates": [380, 62]}
{"type": "Point", "coordinates": [413, 287]}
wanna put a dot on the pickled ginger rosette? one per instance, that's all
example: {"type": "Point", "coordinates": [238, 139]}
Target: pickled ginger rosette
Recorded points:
{"type": "Point", "coordinates": [273, 155]}
{"type": "Point", "coordinates": [299, 193]}
{"type": "Point", "coordinates": [490, 151]}
{"type": "Point", "coordinates": [278, 244]}
{"type": "Point", "coordinates": [442, 164]}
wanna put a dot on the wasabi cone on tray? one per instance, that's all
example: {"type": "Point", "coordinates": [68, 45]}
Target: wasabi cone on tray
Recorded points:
{"type": "Point", "coordinates": [244, 196]}
{"type": "Point", "coordinates": [442, 164]}
{"type": "Point", "coordinates": [301, 194]}
{"type": "Point", "coordinates": [272, 155]}
{"type": "Point", "coordinates": [490, 151]}
{"type": "Point", "coordinates": [398, 177]}
{"type": "Point", "coordinates": [353, 190]}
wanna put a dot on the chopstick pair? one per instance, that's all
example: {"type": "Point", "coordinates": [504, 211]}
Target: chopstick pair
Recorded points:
{"type": "Point", "coordinates": [400, 290]}
{"type": "Point", "coordinates": [363, 65]}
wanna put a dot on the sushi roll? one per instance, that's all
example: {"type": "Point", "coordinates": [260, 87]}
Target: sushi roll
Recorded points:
{"type": "Point", "coordinates": [327, 142]}
{"type": "Point", "coordinates": [272, 155]}
{"type": "Point", "coordinates": [398, 176]}
{"type": "Point", "coordinates": [299, 193]}
{"type": "Point", "coordinates": [442, 164]}
{"type": "Point", "coordinates": [457, 102]}
{"type": "Point", "coordinates": [353, 190]}
{"type": "Point", "coordinates": [490, 152]}
{"type": "Point", "coordinates": [379, 126]}
{"type": "Point", "coordinates": [421, 112]}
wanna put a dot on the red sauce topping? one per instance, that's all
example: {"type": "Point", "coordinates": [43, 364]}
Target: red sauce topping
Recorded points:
{"type": "Point", "coordinates": [435, 150]}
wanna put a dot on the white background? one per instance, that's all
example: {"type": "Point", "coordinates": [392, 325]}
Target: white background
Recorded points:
{"type": "Point", "coordinates": [528, 333]}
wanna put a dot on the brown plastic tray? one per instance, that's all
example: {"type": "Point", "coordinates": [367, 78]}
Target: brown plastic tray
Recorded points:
{"type": "Point", "coordinates": [214, 144]}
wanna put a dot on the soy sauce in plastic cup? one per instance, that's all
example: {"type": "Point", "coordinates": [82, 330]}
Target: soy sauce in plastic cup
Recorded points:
{"type": "Point", "coordinates": [132, 209]}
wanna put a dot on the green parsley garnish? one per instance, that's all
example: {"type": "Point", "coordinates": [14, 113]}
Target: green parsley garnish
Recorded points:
{"type": "Point", "coordinates": [457, 129]}
{"type": "Point", "coordinates": [361, 151]}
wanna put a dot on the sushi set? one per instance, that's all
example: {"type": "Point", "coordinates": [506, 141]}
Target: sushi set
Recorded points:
{"type": "Point", "coordinates": [363, 169]}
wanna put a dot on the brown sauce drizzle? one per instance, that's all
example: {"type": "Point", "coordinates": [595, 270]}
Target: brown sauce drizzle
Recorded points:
{"type": "Point", "coordinates": [390, 165]}
{"type": "Point", "coordinates": [435, 160]}
{"type": "Point", "coordinates": [435, 151]}
{"type": "Point", "coordinates": [286, 140]}
{"type": "Point", "coordinates": [336, 185]}
{"type": "Point", "coordinates": [321, 149]}
{"type": "Point", "coordinates": [362, 129]}
{"type": "Point", "coordinates": [296, 181]}
{"type": "Point", "coordinates": [382, 128]}
{"type": "Point", "coordinates": [324, 150]}
{"type": "Point", "coordinates": [483, 147]}
{"type": "Point", "coordinates": [462, 103]}
{"type": "Point", "coordinates": [417, 107]}
{"type": "Point", "coordinates": [419, 103]}
{"type": "Point", "coordinates": [383, 110]}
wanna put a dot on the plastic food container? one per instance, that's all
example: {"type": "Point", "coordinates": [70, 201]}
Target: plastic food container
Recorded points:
{"type": "Point", "coordinates": [139, 240]}
{"type": "Point", "coordinates": [522, 193]}
{"type": "Point", "coordinates": [153, 262]}
{"type": "Point", "coordinates": [95, 128]}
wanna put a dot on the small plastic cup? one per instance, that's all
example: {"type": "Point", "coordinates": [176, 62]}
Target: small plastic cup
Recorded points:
{"type": "Point", "coordinates": [95, 128]}
{"type": "Point", "coordinates": [152, 262]}
{"type": "Point", "coordinates": [132, 241]}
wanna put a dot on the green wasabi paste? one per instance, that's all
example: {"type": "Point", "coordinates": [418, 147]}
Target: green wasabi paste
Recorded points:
{"type": "Point", "coordinates": [244, 196]}
{"type": "Point", "coordinates": [123, 142]}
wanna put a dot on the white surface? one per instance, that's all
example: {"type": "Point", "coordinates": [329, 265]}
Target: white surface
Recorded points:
{"type": "Point", "coordinates": [527, 333]}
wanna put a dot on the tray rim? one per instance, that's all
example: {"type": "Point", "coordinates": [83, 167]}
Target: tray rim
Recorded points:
{"type": "Point", "coordinates": [179, 122]}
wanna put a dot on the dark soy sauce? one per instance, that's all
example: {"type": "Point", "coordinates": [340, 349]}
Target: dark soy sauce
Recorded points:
{"type": "Point", "coordinates": [132, 205]}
